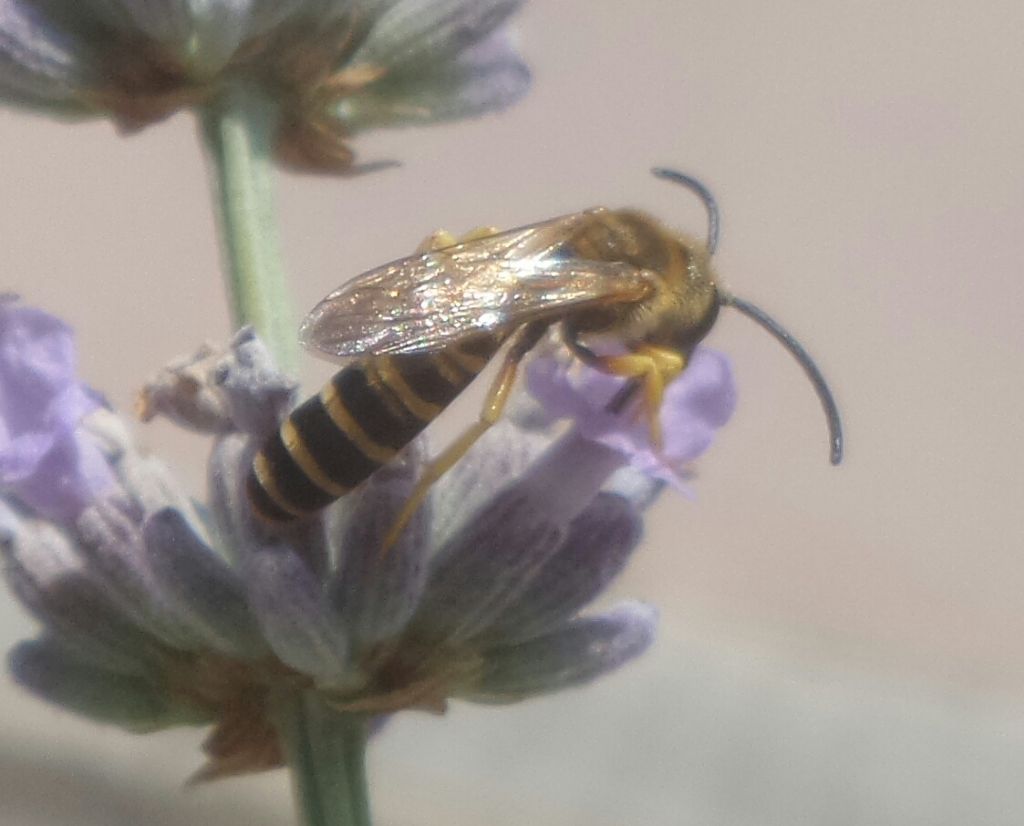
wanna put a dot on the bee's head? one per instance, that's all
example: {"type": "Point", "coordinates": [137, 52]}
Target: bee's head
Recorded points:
{"type": "Point", "coordinates": [702, 280]}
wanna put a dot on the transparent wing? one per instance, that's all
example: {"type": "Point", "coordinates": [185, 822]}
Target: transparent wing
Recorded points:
{"type": "Point", "coordinates": [426, 302]}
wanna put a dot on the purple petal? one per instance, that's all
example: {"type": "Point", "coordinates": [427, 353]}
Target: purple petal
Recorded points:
{"type": "Point", "coordinates": [638, 488]}
{"type": "Point", "coordinates": [229, 506]}
{"type": "Point", "coordinates": [696, 404]}
{"type": "Point", "coordinates": [149, 485]}
{"type": "Point", "coordinates": [111, 543]}
{"type": "Point", "coordinates": [578, 653]}
{"type": "Point", "coordinates": [374, 593]}
{"type": "Point", "coordinates": [600, 543]}
{"type": "Point", "coordinates": [45, 574]}
{"type": "Point", "coordinates": [500, 456]}
{"type": "Point", "coordinates": [37, 365]}
{"type": "Point", "coordinates": [38, 63]}
{"type": "Point", "coordinates": [52, 672]}
{"type": "Point", "coordinates": [290, 605]}
{"type": "Point", "coordinates": [50, 51]}
{"type": "Point", "coordinates": [64, 480]}
{"type": "Point", "coordinates": [486, 77]}
{"type": "Point", "coordinates": [203, 36]}
{"type": "Point", "coordinates": [201, 584]}
{"type": "Point", "coordinates": [569, 474]}
{"type": "Point", "coordinates": [496, 554]}
{"type": "Point", "coordinates": [486, 565]}
{"type": "Point", "coordinates": [441, 60]}
{"type": "Point", "coordinates": [78, 612]}
{"type": "Point", "coordinates": [45, 459]}
{"type": "Point", "coordinates": [416, 32]}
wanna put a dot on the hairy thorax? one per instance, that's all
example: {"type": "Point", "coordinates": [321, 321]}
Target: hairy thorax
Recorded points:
{"type": "Point", "coordinates": [683, 303]}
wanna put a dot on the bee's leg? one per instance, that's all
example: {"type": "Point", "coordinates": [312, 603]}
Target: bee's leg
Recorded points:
{"type": "Point", "coordinates": [442, 238]}
{"type": "Point", "coordinates": [478, 233]}
{"type": "Point", "coordinates": [494, 405]}
{"type": "Point", "coordinates": [651, 366]}
{"type": "Point", "coordinates": [436, 241]}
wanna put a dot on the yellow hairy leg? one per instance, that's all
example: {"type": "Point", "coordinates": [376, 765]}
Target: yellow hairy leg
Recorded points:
{"type": "Point", "coordinates": [442, 238]}
{"type": "Point", "coordinates": [652, 366]}
{"type": "Point", "coordinates": [436, 241]}
{"type": "Point", "coordinates": [478, 233]}
{"type": "Point", "coordinates": [494, 406]}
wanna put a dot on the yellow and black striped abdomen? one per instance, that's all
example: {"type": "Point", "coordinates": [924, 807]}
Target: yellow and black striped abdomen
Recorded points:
{"type": "Point", "coordinates": [360, 419]}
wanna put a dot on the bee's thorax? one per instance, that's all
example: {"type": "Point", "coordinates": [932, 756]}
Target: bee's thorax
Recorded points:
{"type": "Point", "coordinates": [683, 303]}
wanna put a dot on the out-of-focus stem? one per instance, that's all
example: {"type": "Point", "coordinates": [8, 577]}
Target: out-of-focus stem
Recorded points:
{"type": "Point", "coordinates": [239, 127]}
{"type": "Point", "coordinates": [326, 751]}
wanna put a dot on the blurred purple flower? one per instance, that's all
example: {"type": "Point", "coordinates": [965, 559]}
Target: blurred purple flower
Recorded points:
{"type": "Point", "coordinates": [328, 67]}
{"type": "Point", "coordinates": [47, 461]}
{"type": "Point", "coordinates": [696, 404]}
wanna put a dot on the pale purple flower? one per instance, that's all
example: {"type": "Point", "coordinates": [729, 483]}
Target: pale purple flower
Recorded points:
{"type": "Point", "coordinates": [697, 403]}
{"type": "Point", "coordinates": [328, 67]}
{"type": "Point", "coordinates": [47, 461]}
{"type": "Point", "coordinates": [155, 613]}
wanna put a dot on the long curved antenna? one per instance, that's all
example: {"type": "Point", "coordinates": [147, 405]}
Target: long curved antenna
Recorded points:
{"type": "Point", "coordinates": [828, 402]}
{"type": "Point", "coordinates": [703, 193]}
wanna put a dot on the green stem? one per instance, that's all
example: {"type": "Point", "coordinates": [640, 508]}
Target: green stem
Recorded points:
{"type": "Point", "coordinates": [239, 128]}
{"type": "Point", "coordinates": [326, 753]}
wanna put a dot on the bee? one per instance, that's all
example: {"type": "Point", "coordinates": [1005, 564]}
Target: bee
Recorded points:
{"type": "Point", "coordinates": [420, 329]}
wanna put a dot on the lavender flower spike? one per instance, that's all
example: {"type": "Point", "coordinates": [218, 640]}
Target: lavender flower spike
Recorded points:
{"type": "Point", "coordinates": [153, 618]}
{"type": "Point", "coordinates": [327, 68]}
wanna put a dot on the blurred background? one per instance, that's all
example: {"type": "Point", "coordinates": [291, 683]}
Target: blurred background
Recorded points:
{"type": "Point", "coordinates": [838, 646]}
